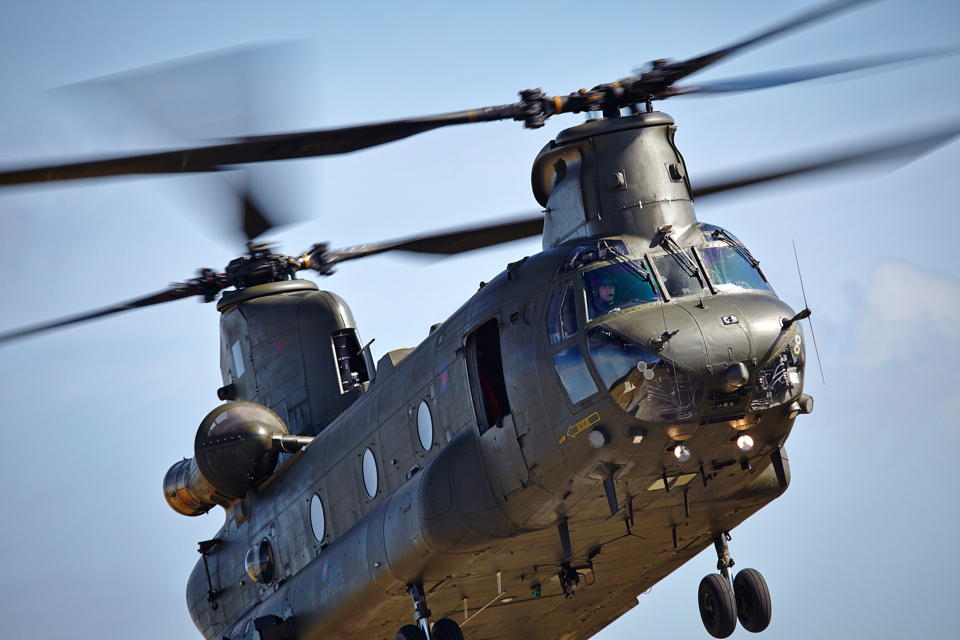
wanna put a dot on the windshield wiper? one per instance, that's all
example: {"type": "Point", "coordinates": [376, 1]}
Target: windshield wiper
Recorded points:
{"type": "Point", "coordinates": [681, 257]}
{"type": "Point", "coordinates": [633, 266]}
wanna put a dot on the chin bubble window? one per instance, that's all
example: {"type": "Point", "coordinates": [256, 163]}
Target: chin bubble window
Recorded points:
{"type": "Point", "coordinates": [618, 286]}
{"type": "Point", "coordinates": [259, 562]}
{"type": "Point", "coordinates": [574, 375]}
{"type": "Point", "coordinates": [644, 385]}
{"type": "Point", "coordinates": [779, 380]}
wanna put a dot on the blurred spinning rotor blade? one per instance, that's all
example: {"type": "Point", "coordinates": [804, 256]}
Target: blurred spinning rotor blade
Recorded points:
{"type": "Point", "coordinates": [673, 71]}
{"type": "Point", "coordinates": [254, 222]}
{"type": "Point", "coordinates": [903, 150]}
{"type": "Point", "coordinates": [287, 146]}
{"type": "Point", "coordinates": [176, 292]}
{"type": "Point", "coordinates": [451, 242]}
{"type": "Point", "coordinates": [226, 94]}
{"type": "Point", "coordinates": [799, 74]}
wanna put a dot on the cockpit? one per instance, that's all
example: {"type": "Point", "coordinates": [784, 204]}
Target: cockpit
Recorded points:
{"type": "Point", "coordinates": [601, 283]}
{"type": "Point", "coordinates": [722, 264]}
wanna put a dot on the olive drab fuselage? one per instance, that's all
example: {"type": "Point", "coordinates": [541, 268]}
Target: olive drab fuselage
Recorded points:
{"type": "Point", "coordinates": [510, 415]}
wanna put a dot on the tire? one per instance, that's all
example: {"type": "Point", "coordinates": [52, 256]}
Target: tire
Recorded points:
{"type": "Point", "coordinates": [718, 607]}
{"type": "Point", "coordinates": [754, 606]}
{"type": "Point", "coordinates": [446, 629]}
{"type": "Point", "coordinates": [411, 632]}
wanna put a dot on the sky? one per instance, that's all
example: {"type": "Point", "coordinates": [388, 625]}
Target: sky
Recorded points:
{"type": "Point", "coordinates": [860, 546]}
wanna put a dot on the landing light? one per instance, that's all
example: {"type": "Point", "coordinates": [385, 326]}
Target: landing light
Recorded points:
{"type": "Point", "coordinates": [682, 452]}
{"type": "Point", "coordinates": [745, 443]}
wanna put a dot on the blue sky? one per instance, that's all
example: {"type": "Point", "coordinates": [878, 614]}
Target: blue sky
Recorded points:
{"type": "Point", "coordinates": [860, 544]}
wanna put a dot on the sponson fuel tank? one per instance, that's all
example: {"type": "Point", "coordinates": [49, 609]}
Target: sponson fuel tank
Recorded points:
{"type": "Point", "coordinates": [294, 349]}
{"type": "Point", "coordinates": [613, 176]}
{"type": "Point", "coordinates": [440, 516]}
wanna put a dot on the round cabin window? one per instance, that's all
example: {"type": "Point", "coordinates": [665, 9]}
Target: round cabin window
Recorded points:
{"type": "Point", "coordinates": [259, 562]}
{"type": "Point", "coordinates": [316, 518]}
{"type": "Point", "coordinates": [369, 473]}
{"type": "Point", "coordinates": [425, 426]}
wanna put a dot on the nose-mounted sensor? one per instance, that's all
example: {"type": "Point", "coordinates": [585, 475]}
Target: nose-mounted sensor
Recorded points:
{"type": "Point", "coordinates": [734, 377]}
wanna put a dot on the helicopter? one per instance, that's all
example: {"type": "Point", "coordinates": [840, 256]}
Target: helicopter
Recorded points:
{"type": "Point", "coordinates": [668, 342]}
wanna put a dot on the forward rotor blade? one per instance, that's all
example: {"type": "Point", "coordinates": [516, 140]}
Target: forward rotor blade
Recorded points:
{"type": "Point", "coordinates": [448, 243]}
{"type": "Point", "coordinates": [175, 292]}
{"type": "Point", "coordinates": [800, 74]}
{"type": "Point", "coordinates": [254, 222]}
{"type": "Point", "coordinates": [676, 70]}
{"type": "Point", "coordinates": [904, 150]}
{"type": "Point", "coordinates": [287, 146]}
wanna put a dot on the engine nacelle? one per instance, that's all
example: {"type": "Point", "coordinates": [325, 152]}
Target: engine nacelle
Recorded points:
{"type": "Point", "coordinates": [234, 446]}
{"type": "Point", "coordinates": [237, 445]}
{"type": "Point", "coordinates": [188, 492]}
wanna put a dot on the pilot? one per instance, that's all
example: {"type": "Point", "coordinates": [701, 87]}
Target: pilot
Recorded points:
{"type": "Point", "coordinates": [606, 295]}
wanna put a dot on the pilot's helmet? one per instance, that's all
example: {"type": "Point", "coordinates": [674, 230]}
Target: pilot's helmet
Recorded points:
{"type": "Point", "coordinates": [606, 279]}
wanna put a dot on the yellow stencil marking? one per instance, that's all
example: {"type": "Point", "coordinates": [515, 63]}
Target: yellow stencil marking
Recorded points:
{"type": "Point", "coordinates": [584, 424]}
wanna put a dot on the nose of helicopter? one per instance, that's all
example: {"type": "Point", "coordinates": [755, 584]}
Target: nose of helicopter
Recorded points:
{"type": "Point", "coordinates": [739, 333]}
{"type": "Point", "coordinates": [723, 340]}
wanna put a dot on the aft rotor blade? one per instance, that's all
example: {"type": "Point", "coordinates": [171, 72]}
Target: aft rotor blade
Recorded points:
{"type": "Point", "coordinates": [800, 74]}
{"type": "Point", "coordinates": [676, 70]}
{"type": "Point", "coordinates": [176, 292]}
{"type": "Point", "coordinates": [449, 243]}
{"type": "Point", "coordinates": [903, 150]}
{"type": "Point", "coordinates": [306, 144]}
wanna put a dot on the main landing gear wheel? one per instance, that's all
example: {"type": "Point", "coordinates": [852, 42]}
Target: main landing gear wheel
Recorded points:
{"type": "Point", "coordinates": [411, 632]}
{"type": "Point", "coordinates": [718, 607]}
{"type": "Point", "coordinates": [446, 629]}
{"type": "Point", "coordinates": [754, 606]}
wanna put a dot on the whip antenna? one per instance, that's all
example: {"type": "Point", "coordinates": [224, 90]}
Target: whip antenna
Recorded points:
{"type": "Point", "coordinates": [807, 308]}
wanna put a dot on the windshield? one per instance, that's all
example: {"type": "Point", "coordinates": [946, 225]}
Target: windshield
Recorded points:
{"type": "Point", "coordinates": [618, 286]}
{"type": "Point", "coordinates": [728, 270]}
{"type": "Point", "coordinates": [678, 276]}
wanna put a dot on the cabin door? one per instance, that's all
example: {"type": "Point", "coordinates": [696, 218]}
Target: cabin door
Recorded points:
{"type": "Point", "coordinates": [498, 435]}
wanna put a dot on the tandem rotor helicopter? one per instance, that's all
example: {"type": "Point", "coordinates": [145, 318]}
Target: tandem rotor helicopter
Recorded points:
{"type": "Point", "coordinates": [589, 420]}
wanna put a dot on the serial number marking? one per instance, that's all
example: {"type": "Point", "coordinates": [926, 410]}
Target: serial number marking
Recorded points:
{"type": "Point", "coordinates": [584, 424]}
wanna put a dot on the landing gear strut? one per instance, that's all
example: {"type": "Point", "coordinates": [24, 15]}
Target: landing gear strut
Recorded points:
{"type": "Point", "coordinates": [443, 629]}
{"type": "Point", "coordinates": [421, 615]}
{"type": "Point", "coordinates": [724, 599]}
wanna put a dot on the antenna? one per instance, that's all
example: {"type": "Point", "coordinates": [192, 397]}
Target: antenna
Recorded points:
{"type": "Point", "coordinates": [807, 308]}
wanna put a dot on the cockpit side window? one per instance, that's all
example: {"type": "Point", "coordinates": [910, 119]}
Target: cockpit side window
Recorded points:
{"type": "Point", "coordinates": [562, 315]}
{"type": "Point", "coordinates": [568, 314]}
{"type": "Point", "coordinates": [553, 316]}
{"type": "Point", "coordinates": [562, 326]}
{"type": "Point", "coordinates": [618, 286]}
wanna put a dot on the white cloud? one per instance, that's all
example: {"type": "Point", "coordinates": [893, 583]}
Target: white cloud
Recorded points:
{"type": "Point", "coordinates": [906, 310]}
{"type": "Point", "coordinates": [898, 367]}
